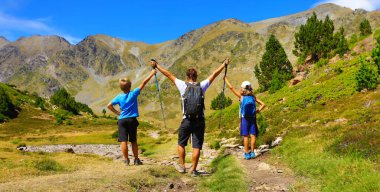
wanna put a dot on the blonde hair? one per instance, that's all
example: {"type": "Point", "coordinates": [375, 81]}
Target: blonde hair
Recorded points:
{"type": "Point", "coordinates": [125, 84]}
{"type": "Point", "coordinates": [248, 91]}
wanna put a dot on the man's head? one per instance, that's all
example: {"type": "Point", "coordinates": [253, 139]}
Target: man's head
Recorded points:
{"type": "Point", "coordinates": [125, 84]}
{"type": "Point", "coordinates": [191, 74]}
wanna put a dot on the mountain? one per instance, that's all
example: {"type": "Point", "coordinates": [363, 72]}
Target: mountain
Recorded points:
{"type": "Point", "coordinates": [91, 68]}
{"type": "Point", "coordinates": [3, 41]}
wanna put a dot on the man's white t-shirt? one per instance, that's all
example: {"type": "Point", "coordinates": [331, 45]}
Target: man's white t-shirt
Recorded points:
{"type": "Point", "coordinates": [181, 85]}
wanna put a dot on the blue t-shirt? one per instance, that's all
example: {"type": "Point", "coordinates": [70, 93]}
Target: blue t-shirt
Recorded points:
{"type": "Point", "coordinates": [127, 103]}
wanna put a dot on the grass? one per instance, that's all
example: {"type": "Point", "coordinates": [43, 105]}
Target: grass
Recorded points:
{"type": "Point", "coordinates": [152, 177]}
{"type": "Point", "coordinates": [228, 176]}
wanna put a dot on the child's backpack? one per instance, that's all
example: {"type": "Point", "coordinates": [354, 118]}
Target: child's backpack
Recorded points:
{"type": "Point", "coordinates": [193, 101]}
{"type": "Point", "coordinates": [248, 106]}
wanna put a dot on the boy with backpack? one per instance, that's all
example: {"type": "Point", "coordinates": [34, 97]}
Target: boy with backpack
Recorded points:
{"type": "Point", "coordinates": [127, 122]}
{"type": "Point", "coordinates": [247, 113]}
{"type": "Point", "coordinates": [193, 122]}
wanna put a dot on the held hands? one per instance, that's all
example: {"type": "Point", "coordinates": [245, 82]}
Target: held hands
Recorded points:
{"type": "Point", "coordinates": [226, 61]}
{"type": "Point", "coordinates": [153, 63]}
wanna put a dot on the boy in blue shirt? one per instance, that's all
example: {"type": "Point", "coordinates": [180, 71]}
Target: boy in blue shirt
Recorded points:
{"type": "Point", "coordinates": [127, 122]}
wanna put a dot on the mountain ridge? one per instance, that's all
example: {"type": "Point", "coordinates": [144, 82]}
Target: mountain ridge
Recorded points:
{"type": "Point", "coordinates": [91, 68]}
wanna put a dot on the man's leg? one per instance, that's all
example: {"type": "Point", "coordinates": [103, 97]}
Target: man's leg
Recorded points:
{"type": "Point", "coordinates": [198, 128]}
{"type": "Point", "coordinates": [181, 154]}
{"type": "Point", "coordinates": [183, 136]}
{"type": "Point", "coordinates": [195, 158]}
{"type": "Point", "coordinates": [124, 149]}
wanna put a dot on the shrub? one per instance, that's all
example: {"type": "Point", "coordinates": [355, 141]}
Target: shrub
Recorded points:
{"type": "Point", "coordinates": [367, 76]}
{"type": "Point", "coordinates": [115, 134]}
{"type": "Point", "coordinates": [220, 102]}
{"type": "Point", "coordinates": [48, 165]}
{"type": "Point", "coordinates": [365, 28]}
{"type": "Point", "coordinates": [321, 62]}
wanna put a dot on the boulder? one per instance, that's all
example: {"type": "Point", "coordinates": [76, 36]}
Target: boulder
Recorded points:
{"type": "Point", "coordinates": [276, 142]}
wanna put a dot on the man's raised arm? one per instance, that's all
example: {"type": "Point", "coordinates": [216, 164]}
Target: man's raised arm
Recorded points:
{"type": "Point", "coordinates": [219, 70]}
{"type": "Point", "coordinates": [155, 65]}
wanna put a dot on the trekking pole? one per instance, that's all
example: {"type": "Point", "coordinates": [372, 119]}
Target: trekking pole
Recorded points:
{"type": "Point", "coordinates": [223, 97]}
{"type": "Point", "coordinates": [159, 96]}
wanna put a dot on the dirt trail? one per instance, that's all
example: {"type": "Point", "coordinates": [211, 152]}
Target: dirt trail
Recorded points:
{"type": "Point", "coordinates": [267, 177]}
{"type": "Point", "coordinates": [263, 175]}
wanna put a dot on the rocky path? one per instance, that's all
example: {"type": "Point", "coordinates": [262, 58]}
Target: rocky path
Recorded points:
{"type": "Point", "coordinates": [263, 175]}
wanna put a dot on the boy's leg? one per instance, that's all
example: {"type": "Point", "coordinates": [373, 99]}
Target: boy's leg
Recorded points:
{"type": "Point", "coordinates": [124, 149]}
{"type": "Point", "coordinates": [132, 131]}
{"type": "Point", "coordinates": [135, 150]}
{"type": "Point", "coordinates": [253, 142]}
{"type": "Point", "coordinates": [123, 137]}
{"type": "Point", "coordinates": [246, 146]}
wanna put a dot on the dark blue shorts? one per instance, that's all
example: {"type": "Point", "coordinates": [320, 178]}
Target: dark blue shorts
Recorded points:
{"type": "Point", "coordinates": [248, 126]}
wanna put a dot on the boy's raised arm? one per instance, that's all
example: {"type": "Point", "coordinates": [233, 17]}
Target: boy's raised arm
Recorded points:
{"type": "Point", "coordinates": [146, 80]}
{"type": "Point", "coordinates": [219, 70]}
{"type": "Point", "coordinates": [232, 88]}
{"type": "Point", "coordinates": [155, 65]}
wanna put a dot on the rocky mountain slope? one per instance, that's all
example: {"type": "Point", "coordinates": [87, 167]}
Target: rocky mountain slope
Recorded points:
{"type": "Point", "coordinates": [91, 68]}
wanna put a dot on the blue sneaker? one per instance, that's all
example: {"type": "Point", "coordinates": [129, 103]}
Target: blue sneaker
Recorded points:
{"type": "Point", "coordinates": [247, 156]}
{"type": "Point", "coordinates": [252, 155]}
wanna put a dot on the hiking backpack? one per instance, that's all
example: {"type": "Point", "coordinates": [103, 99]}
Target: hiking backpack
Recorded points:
{"type": "Point", "coordinates": [248, 106]}
{"type": "Point", "coordinates": [193, 101]}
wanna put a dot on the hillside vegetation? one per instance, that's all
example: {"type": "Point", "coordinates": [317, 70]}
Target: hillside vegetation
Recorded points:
{"type": "Point", "coordinates": [331, 127]}
{"type": "Point", "coordinates": [90, 69]}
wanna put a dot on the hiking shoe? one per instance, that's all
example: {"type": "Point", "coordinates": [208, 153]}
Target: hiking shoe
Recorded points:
{"type": "Point", "coordinates": [194, 173]}
{"type": "Point", "coordinates": [126, 161]}
{"type": "Point", "coordinates": [247, 156]}
{"type": "Point", "coordinates": [252, 155]}
{"type": "Point", "coordinates": [137, 162]}
{"type": "Point", "coordinates": [179, 168]}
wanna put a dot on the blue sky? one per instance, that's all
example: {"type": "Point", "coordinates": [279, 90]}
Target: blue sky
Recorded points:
{"type": "Point", "coordinates": [151, 21]}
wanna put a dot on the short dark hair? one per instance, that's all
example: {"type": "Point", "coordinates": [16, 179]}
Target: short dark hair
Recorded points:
{"type": "Point", "coordinates": [192, 74]}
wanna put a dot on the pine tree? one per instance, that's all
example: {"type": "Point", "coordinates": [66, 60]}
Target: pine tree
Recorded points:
{"type": "Point", "coordinates": [315, 39]}
{"type": "Point", "coordinates": [220, 102]}
{"type": "Point", "coordinates": [365, 28]}
{"type": "Point", "coordinates": [64, 100]}
{"type": "Point", "coordinates": [376, 55]}
{"type": "Point", "coordinates": [7, 109]}
{"type": "Point", "coordinates": [341, 42]}
{"type": "Point", "coordinates": [274, 59]}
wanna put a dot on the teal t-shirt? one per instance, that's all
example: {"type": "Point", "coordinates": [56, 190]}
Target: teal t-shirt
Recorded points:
{"type": "Point", "coordinates": [127, 103]}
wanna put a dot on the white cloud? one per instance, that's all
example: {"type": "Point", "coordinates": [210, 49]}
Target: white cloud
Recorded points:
{"type": "Point", "coordinates": [368, 5]}
{"type": "Point", "coordinates": [10, 23]}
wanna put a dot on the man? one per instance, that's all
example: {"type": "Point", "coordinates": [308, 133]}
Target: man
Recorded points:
{"type": "Point", "coordinates": [192, 95]}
